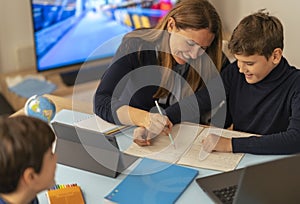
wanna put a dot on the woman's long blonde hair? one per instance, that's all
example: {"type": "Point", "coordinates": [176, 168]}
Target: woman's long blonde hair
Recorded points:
{"type": "Point", "coordinates": [188, 14]}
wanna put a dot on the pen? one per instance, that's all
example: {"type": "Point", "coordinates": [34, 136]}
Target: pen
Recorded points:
{"type": "Point", "coordinates": [114, 130]}
{"type": "Point", "coordinates": [170, 136]}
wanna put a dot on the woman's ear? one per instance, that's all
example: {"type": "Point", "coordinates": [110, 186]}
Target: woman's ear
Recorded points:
{"type": "Point", "coordinates": [276, 56]}
{"type": "Point", "coordinates": [171, 24]}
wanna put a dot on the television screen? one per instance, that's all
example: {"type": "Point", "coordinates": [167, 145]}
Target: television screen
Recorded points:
{"type": "Point", "coordinates": [66, 32]}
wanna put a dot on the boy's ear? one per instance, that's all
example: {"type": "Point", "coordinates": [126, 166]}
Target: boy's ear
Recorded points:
{"type": "Point", "coordinates": [29, 175]}
{"type": "Point", "coordinates": [276, 56]}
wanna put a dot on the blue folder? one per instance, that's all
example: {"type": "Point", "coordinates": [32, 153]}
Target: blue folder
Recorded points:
{"type": "Point", "coordinates": [31, 86]}
{"type": "Point", "coordinates": [153, 181]}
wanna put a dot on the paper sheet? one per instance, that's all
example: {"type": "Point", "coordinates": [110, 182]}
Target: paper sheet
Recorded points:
{"type": "Point", "coordinates": [98, 124]}
{"type": "Point", "coordinates": [161, 149]}
{"type": "Point", "coordinates": [215, 160]}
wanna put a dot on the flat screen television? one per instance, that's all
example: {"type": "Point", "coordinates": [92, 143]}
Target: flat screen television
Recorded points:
{"type": "Point", "coordinates": [66, 32]}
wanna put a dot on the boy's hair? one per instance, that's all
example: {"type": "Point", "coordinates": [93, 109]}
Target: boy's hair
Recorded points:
{"type": "Point", "coordinates": [258, 33]}
{"type": "Point", "coordinates": [23, 143]}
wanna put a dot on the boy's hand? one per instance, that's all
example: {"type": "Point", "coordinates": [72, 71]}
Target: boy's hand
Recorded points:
{"type": "Point", "coordinates": [216, 143]}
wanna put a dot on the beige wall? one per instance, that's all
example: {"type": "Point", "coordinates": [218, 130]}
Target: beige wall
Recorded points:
{"type": "Point", "coordinates": [288, 11]}
{"type": "Point", "coordinates": [16, 41]}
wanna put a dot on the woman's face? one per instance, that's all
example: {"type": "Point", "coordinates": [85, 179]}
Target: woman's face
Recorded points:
{"type": "Point", "coordinates": [188, 44]}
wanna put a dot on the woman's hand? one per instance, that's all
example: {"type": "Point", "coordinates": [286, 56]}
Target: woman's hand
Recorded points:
{"type": "Point", "coordinates": [156, 124]}
{"type": "Point", "coordinates": [153, 122]}
{"type": "Point", "coordinates": [150, 124]}
{"type": "Point", "coordinates": [216, 143]}
{"type": "Point", "coordinates": [143, 137]}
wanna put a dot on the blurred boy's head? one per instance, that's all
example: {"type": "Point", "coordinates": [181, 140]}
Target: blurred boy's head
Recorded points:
{"type": "Point", "coordinates": [26, 156]}
{"type": "Point", "coordinates": [257, 44]}
{"type": "Point", "coordinates": [258, 33]}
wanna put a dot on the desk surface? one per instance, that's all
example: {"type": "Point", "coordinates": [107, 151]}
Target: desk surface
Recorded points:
{"type": "Point", "coordinates": [17, 102]}
{"type": "Point", "coordinates": [95, 186]}
{"type": "Point", "coordinates": [64, 103]}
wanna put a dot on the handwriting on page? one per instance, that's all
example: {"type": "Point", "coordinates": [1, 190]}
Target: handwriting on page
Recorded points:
{"type": "Point", "coordinates": [215, 160]}
{"type": "Point", "coordinates": [162, 149]}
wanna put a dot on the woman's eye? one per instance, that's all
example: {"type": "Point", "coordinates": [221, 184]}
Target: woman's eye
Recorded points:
{"type": "Point", "coordinates": [204, 48]}
{"type": "Point", "coordinates": [190, 43]}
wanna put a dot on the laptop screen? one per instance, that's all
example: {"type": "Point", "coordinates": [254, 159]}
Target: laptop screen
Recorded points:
{"type": "Point", "coordinates": [270, 182]}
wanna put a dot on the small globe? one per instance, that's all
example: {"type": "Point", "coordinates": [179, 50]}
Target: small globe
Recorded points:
{"type": "Point", "coordinates": [40, 107]}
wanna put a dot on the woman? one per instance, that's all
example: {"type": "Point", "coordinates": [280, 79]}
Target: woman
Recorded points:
{"type": "Point", "coordinates": [166, 63]}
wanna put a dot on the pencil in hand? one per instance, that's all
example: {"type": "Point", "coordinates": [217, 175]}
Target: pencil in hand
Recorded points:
{"type": "Point", "coordinates": [170, 136]}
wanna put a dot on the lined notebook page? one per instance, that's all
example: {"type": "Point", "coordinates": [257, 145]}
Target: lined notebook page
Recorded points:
{"type": "Point", "coordinates": [215, 160]}
{"type": "Point", "coordinates": [162, 149]}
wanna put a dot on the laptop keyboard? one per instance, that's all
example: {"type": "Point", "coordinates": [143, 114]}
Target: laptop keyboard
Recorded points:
{"type": "Point", "coordinates": [226, 195]}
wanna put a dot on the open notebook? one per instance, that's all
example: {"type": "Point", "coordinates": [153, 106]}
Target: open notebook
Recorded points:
{"type": "Point", "coordinates": [187, 138]}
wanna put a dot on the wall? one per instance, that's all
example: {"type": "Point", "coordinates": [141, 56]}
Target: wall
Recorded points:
{"type": "Point", "coordinates": [232, 11]}
{"type": "Point", "coordinates": [16, 41]}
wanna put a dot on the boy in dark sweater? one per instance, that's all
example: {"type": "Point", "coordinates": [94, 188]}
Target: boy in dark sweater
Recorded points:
{"type": "Point", "coordinates": [262, 91]}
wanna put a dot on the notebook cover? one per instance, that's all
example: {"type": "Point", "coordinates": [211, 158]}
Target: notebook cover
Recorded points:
{"type": "Point", "coordinates": [153, 181]}
{"type": "Point", "coordinates": [31, 86]}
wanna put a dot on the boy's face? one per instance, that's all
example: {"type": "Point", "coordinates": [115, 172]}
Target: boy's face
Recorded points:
{"type": "Point", "coordinates": [255, 67]}
{"type": "Point", "coordinates": [45, 179]}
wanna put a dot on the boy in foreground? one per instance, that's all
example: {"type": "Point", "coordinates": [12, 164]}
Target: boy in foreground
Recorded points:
{"type": "Point", "coordinates": [27, 159]}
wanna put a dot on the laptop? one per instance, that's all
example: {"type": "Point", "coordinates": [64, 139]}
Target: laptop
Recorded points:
{"type": "Point", "coordinates": [276, 181]}
{"type": "Point", "coordinates": [90, 150]}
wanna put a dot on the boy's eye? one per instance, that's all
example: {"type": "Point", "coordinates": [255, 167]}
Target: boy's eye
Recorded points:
{"type": "Point", "coordinates": [250, 63]}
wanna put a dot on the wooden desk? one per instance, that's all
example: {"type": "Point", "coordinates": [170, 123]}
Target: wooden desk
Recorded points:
{"type": "Point", "coordinates": [18, 102]}
{"type": "Point", "coordinates": [65, 103]}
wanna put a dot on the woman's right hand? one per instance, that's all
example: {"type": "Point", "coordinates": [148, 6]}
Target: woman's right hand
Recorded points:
{"type": "Point", "coordinates": [156, 124]}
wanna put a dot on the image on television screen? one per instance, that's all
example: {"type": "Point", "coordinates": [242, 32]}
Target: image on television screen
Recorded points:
{"type": "Point", "coordinates": [66, 32]}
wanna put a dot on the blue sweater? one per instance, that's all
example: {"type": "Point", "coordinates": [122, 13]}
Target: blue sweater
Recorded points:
{"type": "Point", "coordinates": [34, 201]}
